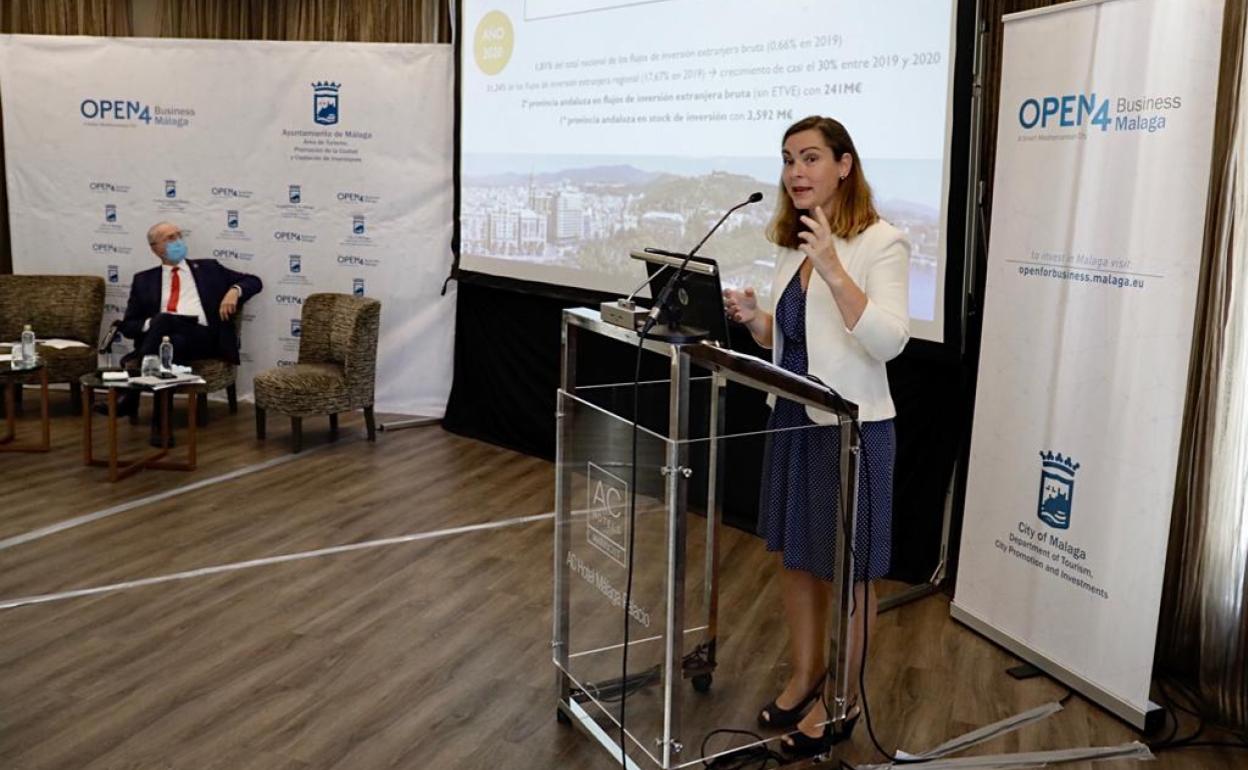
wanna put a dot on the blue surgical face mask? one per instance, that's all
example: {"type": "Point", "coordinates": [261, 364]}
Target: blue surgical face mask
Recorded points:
{"type": "Point", "coordinates": [175, 251]}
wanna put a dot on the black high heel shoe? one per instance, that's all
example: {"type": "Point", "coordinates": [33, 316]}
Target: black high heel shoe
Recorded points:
{"type": "Point", "coordinates": [802, 745]}
{"type": "Point", "coordinates": [772, 715]}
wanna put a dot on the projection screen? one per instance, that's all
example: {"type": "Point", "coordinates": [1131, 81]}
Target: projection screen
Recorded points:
{"type": "Point", "coordinates": [591, 128]}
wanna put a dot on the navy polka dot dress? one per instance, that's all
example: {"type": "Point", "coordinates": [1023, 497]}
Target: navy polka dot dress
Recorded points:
{"type": "Point", "coordinates": [801, 473]}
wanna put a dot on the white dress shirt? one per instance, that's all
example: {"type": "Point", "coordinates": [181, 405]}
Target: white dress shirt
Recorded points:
{"type": "Point", "coordinates": [851, 362]}
{"type": "Point", "coordinates": [188, 294]}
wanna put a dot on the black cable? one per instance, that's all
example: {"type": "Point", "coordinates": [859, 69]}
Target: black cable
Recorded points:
{"type": "Point", "coordinates": [1189, 741]}
{"type": "Point", "coordinates": [1193, 695]}
{"type": "Point", "coordinates": [1186, 740]}
{"type": "Point", "coordinates": [1161, 685]}
{"type": "Point", "coordinates": [1194, 707]}
{"type": "Point", "coordinates": [850, 540]}
{"type": "Point", "coordinates": [862, 664]}
{"type": "Point", "coordinates": [613, 692]}
{"type": "Point", "coordinates": [844, 522]}
{"type": "Point", "coordinates": [632, 536]}
{"type": "Point", "coordinates": [1174, 726]}
{"type": "Point", "coordinates": [1170, 740]}
{"type": "Point", "coordinates": [1198, 708]}
{"type": "Point", "coordinates": [862, 668]}
{"type": "Point", "coordinates": [847, 537]}
{"type": "Point", "coordinates": [741, 759]}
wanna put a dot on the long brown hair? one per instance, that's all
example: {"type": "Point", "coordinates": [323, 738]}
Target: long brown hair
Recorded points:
{"type": "Point", "coordinates": [853, 210]}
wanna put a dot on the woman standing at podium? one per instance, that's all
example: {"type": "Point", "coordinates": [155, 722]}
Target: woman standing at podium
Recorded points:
{"type": "Point", "coordinates": [839, 313]}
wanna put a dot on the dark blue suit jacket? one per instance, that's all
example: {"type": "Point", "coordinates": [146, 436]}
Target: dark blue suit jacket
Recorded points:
{"type": "Point", "coordinates": [213, 280]}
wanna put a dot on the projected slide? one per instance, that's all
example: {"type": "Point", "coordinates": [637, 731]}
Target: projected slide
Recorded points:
{"type": "Point", "coordinates": [592, 128]}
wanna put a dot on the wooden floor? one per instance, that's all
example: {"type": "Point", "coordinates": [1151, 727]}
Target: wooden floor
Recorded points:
{"type": "Point", "coordinates": [419, 652]}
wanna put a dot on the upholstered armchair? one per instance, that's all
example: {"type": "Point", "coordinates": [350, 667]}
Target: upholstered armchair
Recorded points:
{"type": "Point", "coordinates": [336, 369]}
{"type": "Point", "coordinates": [64, 306]}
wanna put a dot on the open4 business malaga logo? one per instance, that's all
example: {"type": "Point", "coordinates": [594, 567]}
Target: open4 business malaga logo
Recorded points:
{"type": "Point", "coordinates": [1089, 111]}
{"type": "Point", "coordinates": [134, 113]}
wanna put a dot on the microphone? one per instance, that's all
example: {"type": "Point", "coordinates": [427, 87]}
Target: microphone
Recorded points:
{"type": "Point", "coordinates": [661, 301]}
{"type": "Point", "coordinates": [106, 339]}
{"type": "Point", "coordinates": [642, 285]}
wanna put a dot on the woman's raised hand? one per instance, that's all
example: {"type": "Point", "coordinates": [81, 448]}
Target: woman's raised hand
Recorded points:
{"type": "Point", "coordinates": [817, 242]}
{"type": "Point", "coordinates": [741, 305]}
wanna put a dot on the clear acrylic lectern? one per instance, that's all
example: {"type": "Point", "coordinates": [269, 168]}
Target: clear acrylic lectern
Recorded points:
{"type": "Point", "coordinates": [688, 674]}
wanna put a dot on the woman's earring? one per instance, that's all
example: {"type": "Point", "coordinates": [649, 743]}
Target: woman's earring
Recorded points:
{"type": "Point", "coordinates": [843, 177]}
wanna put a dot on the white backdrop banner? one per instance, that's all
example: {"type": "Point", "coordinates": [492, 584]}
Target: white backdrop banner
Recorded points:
{"type": "Point", "coordinates": [1103, 155]}
{"type": "Point", "coordinates": [319, 167]}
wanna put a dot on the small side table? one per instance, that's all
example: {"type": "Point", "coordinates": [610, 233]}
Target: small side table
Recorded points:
{"type": "Point", "coordinates": [117, 468]}
{"type": "Point", "coordinates": [12, 380]}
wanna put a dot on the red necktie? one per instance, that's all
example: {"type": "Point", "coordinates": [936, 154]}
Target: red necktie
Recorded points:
{"type": "Point", "coordinates": [174, 287]}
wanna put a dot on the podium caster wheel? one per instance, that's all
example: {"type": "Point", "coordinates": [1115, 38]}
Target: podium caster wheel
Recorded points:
{"type": "Point", "coordinates": [702, 682]}
{"type": "Point", "coordinates": [561, 717]}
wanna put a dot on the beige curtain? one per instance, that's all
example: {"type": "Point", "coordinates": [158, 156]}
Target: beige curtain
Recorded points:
{"type": "Point", "coordinates": [1204, 630]}
{"type": "Point", "coordinates": [373, 21]}
{"type": "Point", "coordinates": [54, 17]}
{"type": "Point", "coordinates": [65, 17]}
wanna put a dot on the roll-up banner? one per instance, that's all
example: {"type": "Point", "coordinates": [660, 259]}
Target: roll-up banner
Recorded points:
{"type": "Point", "coordinates": [1102, 170]}
{"type": "Point", "coordinates": [319, 167]}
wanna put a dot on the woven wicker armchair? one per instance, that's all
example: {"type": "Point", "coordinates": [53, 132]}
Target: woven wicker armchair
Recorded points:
{"type": "Point", "coordinates": [336, 370]}
{"type": "Point", "coordinates": [65, 306]}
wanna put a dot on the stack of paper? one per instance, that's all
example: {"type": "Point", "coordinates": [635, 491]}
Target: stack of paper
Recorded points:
{"type": "Point", "coordinates": [60, 344]}
{"type": "Point", "coordinates": [160, 383]}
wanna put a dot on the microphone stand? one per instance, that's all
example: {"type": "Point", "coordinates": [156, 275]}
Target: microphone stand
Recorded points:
{"type": "Point", "coordinates": [669, 305]}
{"type": "Point", "coordinates": [671, 332]}
{"type": "Point", "coordinates": [105, 348]}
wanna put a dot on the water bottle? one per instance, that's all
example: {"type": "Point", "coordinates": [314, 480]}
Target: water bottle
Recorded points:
{"type": "Point", "coordinates": [28, 347]}
{"type": "Point", "coordinates": [166, 354]}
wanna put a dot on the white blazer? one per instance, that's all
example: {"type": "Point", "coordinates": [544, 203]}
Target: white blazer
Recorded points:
{"type": "Point", "coordinates": [852, 361]}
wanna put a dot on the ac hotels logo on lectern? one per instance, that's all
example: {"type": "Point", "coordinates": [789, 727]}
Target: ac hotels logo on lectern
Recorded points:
{"type": "Point", "coordinates": [607, 513]}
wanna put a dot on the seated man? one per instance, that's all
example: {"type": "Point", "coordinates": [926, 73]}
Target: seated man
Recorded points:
{"type": "Point", "coordinates": [189, 301]}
